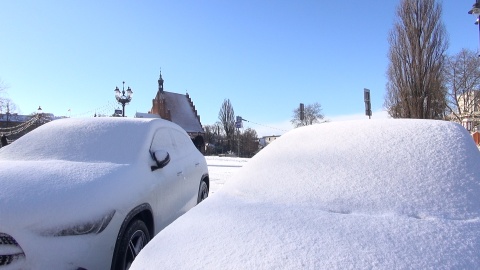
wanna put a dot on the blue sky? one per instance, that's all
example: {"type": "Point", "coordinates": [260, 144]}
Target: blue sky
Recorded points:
{"type": "Point", "coordinates": [265, 56]}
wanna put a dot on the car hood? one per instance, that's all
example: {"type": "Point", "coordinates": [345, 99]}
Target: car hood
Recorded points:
{"type": "Point", "coordinates": [33, 190]}
{"type": "Point", "coordinates": [239, 233]}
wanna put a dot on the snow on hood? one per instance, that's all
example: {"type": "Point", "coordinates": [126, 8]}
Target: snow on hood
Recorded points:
{"type": "Point", "coordinates": [33, 190]}
{"type": "Point", "coordinates": [72, 169]}
{"type": "Point", "coordinates": [389, 194]}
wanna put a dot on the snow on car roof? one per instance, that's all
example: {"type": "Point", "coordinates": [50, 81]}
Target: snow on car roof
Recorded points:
{"type": "Point", "coordinates": [362, 194]}
{"type": "Point", "coordinates": [108, 139]}
{"type": "Point", "coordinates": [410, 167]}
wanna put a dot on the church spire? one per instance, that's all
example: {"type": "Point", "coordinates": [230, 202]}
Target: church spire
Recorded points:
{"type": "Point", "coordinates": [160, 82]}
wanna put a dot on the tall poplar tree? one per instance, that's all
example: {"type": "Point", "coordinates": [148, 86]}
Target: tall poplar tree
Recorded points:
{"type": "Point", "coordinates": [226, 116]}
{"type": "Point", "coordinates": [418, 42]}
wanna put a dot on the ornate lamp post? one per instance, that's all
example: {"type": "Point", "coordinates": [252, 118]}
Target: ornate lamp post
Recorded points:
{"type": "Point", "coordinates": [123, 98]}
{"type": "Point", "coordinates": [475, 11]}
{"type": "Point", "coordinates": [39, 115]}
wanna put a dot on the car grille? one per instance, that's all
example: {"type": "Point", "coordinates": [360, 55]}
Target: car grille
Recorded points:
{"type": "Point", "coordinates": [6, 241]}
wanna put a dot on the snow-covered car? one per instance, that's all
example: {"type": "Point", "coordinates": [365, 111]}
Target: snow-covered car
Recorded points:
{"type": "Point", "coordinates": [373, 194]}
{"type": "Point", "coordinates": [89, 193]}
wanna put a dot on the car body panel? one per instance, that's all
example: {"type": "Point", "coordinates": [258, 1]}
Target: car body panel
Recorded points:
{"type": "Point", "coordinates": [75, 171]}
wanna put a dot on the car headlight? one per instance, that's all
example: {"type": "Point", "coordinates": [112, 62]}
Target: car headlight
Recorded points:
{"type": "Point", "coordinates": [89, 227]}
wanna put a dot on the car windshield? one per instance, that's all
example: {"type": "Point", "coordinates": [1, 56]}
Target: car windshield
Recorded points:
{"type": "Point", "coordinates": [80, 140]}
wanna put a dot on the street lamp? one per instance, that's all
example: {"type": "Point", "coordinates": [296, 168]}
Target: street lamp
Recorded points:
{"type": "Point", "coordinates": [123, 98]}
{"type": "Point", "coordinates": [475, 11]}
{"type": "Point", "coordinates": [39, 115]}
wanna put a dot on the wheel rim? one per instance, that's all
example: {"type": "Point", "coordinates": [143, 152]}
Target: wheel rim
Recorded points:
{"type": "Point", "coordinates": [135, 244]}
{"type": "Point", "coordinates": [204, 192]}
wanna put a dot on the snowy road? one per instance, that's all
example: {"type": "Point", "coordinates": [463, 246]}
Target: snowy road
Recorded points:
{"type": "Point", "coordinates": [221, 168]}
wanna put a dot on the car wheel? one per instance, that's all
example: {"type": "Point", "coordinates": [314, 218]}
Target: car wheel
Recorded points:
{"type": "Point", "coordinates": [135, 237]}
{"type": "Point", "coordinates": [202, 192]}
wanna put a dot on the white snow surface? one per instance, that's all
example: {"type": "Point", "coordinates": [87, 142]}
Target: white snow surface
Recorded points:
{"type": "Point", "coordinates": [378, 194]}
{"type": "Point", "coordinates": [221, 169]}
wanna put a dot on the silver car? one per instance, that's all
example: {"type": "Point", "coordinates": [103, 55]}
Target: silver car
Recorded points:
{"type": "Point", "coordinates": [89, 193]}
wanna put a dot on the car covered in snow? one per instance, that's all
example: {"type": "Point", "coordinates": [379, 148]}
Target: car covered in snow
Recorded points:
{"type": "Point", "coordinates": [373, 194]}
{"type": "Point", "coordinates": [89, 193]}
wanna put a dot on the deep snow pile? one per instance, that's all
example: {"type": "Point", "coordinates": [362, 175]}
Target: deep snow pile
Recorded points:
{"type": "Point", "coordinates": [388, 194]}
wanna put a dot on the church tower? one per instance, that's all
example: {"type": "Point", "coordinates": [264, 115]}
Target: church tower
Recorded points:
{"type": "Point", "coordinates": [160, 83]}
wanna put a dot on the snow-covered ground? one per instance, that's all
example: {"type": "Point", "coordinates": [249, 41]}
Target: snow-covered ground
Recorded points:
{"type": "Point", "coordinates": [220, 169]}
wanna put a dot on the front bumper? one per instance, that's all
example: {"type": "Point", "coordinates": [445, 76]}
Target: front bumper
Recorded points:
{"type": "Point", "coordinates": [29, 250]}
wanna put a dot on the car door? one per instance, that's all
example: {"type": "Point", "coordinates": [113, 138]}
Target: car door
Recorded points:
{"type": "Point", "coordinates": [190, 159]}
{"type": "Point", "coordinates": [169, 181]}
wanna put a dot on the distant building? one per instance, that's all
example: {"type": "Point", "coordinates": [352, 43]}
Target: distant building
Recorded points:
{"type": "Point", "coordinates": [476, 137]}
{"type": "Point", "coordinates": [180, 110]}
{"type": "Point", "coordinates": [469, 107]}
{"type": "Point", "coordinates": [266, 140]}
{"type": "Point", "coordinates": [146, 115]}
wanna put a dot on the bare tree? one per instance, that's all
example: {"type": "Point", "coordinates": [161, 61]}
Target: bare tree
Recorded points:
{"type": "Point", "coordinates": [462, 74]}
{"type": "Point", "coordinates": [7, 107]}
{"type": "Point", "coordinates": [226, 116]}
{"type": "Point", "coordinates": [3, 87]}
{"type": "Point", "coordinates": [214, 138]}
{"type": "Point", "coordinates": [209, 133]}
{"type": "Point", "coordinates": [312, 114]}
{"type": "Point", "coordinates": [418, 43]}
{"type": "Point", "coordinates": [249, 142]}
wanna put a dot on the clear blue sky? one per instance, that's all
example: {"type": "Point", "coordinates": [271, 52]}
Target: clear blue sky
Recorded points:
{"type": "Point", "coordinates": [265, 56]}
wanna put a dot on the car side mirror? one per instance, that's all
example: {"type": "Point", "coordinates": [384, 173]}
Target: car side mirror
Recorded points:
{"type": "Point", "coordinates": [162, 158]}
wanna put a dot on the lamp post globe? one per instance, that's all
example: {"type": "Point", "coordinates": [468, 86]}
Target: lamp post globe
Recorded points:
{"type": "Point", "coordinates": [123, 97]}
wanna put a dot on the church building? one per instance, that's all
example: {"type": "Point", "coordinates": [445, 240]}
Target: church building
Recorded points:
{"type": "Point", "coordinates": [180, 110]}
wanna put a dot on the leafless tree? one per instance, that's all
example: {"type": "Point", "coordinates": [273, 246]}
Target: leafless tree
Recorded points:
{"type": "Point", "coordinates": [7, 108]}
{"type": "Point", "coordinates": [249, 143]}
{"type": "Point", "coordinates": [462, 74]}
{"type": "Point", "coordinates": [215, 139]}
{"type": "Point", "coordinates": [209, 133]}
{"type": "Point", "coordinates": [6, 105]}
{"type": "Point", "coordinates": [226, 116]}
{"type": "Point", "coordinates": [3, 87]}
{"type": "Point", "coordinates": [312, 114]}
{"type": "Point", "coordinates": [418, 42]}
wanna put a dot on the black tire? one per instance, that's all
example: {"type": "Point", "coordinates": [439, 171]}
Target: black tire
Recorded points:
{"type": "Point", "coordinates": [135, 237]}
{"type": "Point", "coordinates": [202, 191]}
